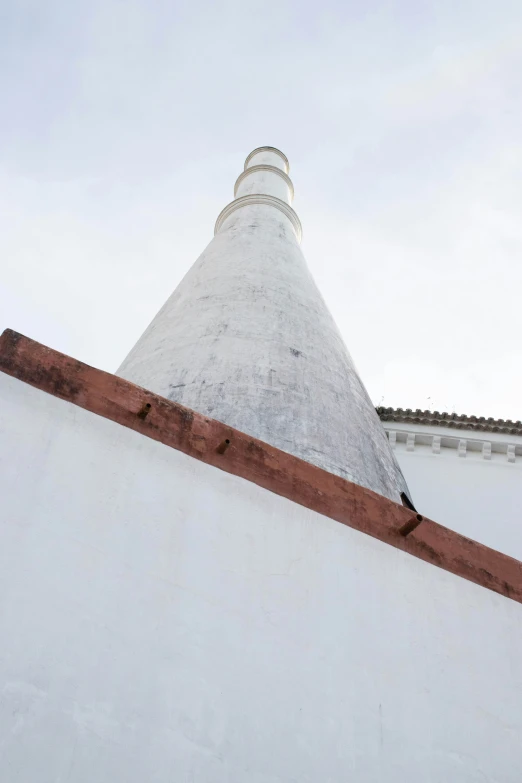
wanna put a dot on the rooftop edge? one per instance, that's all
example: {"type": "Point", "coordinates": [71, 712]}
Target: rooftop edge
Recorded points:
{"type": "Point", "coordinates": [453, 420]}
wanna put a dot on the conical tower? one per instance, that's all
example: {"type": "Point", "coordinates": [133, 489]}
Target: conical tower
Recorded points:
{"type": "Point", "coordinates": [247, 339]}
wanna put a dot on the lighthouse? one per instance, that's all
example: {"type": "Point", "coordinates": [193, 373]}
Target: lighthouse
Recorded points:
{"type": "Point", "coordinates": [247, 339]}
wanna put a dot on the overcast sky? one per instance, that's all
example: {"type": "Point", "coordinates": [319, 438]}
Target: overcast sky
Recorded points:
{"type": "Point", "coordinates": [125, 124]}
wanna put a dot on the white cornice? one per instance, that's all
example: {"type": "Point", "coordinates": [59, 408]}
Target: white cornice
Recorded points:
{"type": "Point", "coordinates": [265, 167]}
{"type": "Point", "coordinates": [424, 440]}
{"type": "Point", "coordinates": [260, 198]}
{"type": "Point", "coordinates": [268, 149]}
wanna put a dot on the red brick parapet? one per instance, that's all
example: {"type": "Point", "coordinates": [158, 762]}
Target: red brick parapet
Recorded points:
{"type": "Point", "coordinates": [235, 452]}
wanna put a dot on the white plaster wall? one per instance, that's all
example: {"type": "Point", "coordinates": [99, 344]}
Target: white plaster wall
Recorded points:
{"type": "Point", "coordinates": [477, 497]}
{"type": "Point", "coordinates": [163, 621]}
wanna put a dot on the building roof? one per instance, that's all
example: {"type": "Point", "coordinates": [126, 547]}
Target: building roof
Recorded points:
{"type": "Point", "coordinates": [453, 420]}
{"type": "Point", "coordinates": [235, 452]}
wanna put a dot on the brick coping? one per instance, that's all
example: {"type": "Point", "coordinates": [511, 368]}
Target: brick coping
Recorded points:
{"type": "Point", "coordinates": [235, 452]}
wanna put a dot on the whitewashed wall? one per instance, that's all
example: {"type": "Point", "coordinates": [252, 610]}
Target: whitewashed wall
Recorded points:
{"type": "Point", "coordinates": [459, 483]}
{"type": "Point", "coordinates": [163, 621]}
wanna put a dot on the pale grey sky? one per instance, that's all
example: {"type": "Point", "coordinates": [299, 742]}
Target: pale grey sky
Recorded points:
{"type": "Point", "coordinates": [124, 125]}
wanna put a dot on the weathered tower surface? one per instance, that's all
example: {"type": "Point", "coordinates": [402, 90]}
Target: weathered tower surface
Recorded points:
{"type": "Point", "coordinates": [246, 338]}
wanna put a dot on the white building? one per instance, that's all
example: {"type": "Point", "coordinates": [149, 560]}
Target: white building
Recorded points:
{"type": "Point", "coordinates": [464, 471]}
{"type": "Point", "coordinates": [222, 584]}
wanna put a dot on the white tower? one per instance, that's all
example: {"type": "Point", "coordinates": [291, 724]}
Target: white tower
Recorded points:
{"type": "Point", "coordinates": [247, 339]}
